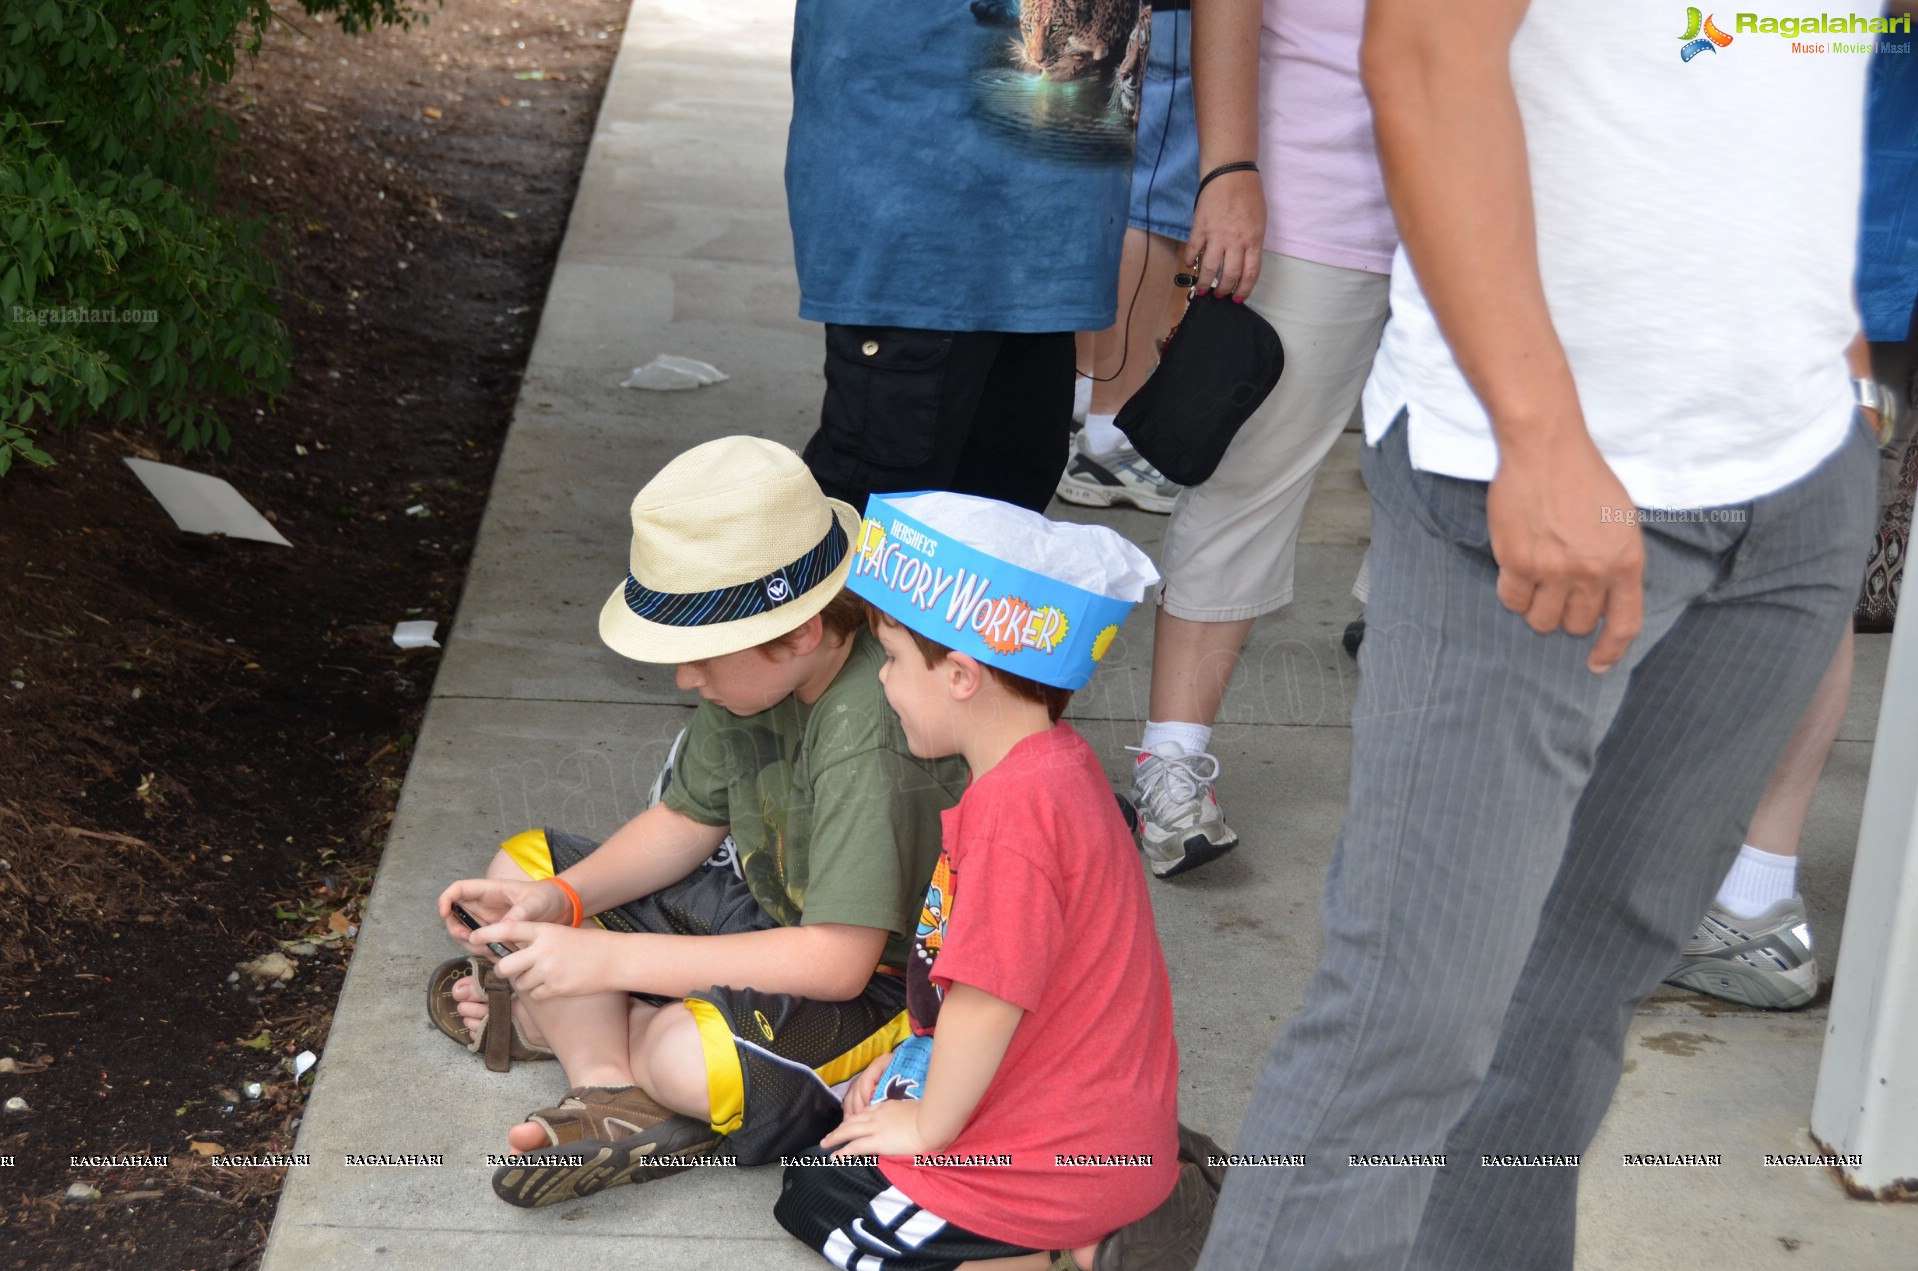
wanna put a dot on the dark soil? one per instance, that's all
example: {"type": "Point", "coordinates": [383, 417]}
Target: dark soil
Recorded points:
{"type": "Point", "coordinates": [201, 739]}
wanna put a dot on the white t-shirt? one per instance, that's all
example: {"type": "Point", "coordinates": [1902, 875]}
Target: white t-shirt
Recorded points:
{"type": "Point", "coordinates": [1697, 223]}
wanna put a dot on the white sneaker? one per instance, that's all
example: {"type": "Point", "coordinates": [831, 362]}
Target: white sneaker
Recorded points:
{"type": "Point", "coordinates": [1765, 961]}
{"type": "Point", "coordinates": [1120, 476]}
{"type": "Point", "coordinates": [1180, 825]}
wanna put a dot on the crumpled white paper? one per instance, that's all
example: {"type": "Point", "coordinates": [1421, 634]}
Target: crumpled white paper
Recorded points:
{"type": "Point", "coordinates": [416, 635]}
{"type": "Point", "coordinates": [1090, 557]}
{"type": "Point", "coordinates": [670, 373]}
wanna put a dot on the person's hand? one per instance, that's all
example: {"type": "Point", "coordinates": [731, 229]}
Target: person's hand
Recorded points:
{"type": "Point", "coordinates": [555, 960]}
{"type": "Point", "coordinates": [1567, 542]}
{"type": "Point", "coordinates": [860, 1089]}
{"type": "Point", "coordinates": [494, 900]}
{"type": "Point", "coordinates": [1228, 235]}
{"type": "Point", "coordinates": [890, 1128]}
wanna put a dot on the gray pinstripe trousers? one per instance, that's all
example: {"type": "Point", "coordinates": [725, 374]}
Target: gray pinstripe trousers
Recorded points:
{"type": "Point", "coordinates": [1527, 846]}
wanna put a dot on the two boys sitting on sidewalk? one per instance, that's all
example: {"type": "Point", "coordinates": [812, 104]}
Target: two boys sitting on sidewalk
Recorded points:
{"type": "Point", "coordinates": [738, 569]}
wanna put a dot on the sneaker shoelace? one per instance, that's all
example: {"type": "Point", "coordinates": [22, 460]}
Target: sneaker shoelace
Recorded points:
{"type": "Point", "coordinates": [1169, 783]}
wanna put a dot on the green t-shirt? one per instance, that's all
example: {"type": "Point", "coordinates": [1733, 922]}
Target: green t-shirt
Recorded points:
{"type": "Point", "coordinates": [834, 819]}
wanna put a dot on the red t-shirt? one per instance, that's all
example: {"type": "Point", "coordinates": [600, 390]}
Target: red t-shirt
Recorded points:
{"type": "Point", "coordinates": [1040, 900]}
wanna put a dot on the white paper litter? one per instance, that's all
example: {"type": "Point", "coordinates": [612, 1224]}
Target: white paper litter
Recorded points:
{"type": "Point", "coordinates": [202, 504]}
{"type": "Point", "coordinates": [670, 373]}
{"type": "Point", "coordinates": [416, 635]}
{"type": "Point", "coordinates": [303, 1063]}
{"type": "Point", "coordinates": [1090, 557]}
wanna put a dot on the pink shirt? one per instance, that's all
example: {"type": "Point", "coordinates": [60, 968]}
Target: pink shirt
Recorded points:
{"type": "Point", "coordinates": [1324, 197]}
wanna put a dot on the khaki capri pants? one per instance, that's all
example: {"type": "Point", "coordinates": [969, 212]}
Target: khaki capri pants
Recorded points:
{"type": "Point", "coordinates": [1232, 545]}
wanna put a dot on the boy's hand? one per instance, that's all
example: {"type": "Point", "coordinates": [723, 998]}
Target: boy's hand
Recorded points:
{"type": "Point", "coordinates": [553, 960]}
{"type": "Point", "coordinates": [884, 1129]}
{"type": "Point", "coordinates": [859, 1092]}
{"type": "Point", "coordinates": [494, 900]}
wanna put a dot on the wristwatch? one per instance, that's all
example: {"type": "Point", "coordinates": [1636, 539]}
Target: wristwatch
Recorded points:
{"type": "Point", "coordinates": [1870, 395]}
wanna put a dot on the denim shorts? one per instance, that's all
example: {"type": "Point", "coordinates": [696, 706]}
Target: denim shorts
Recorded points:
{"type": "Point", "coordinates": [1165, 163]}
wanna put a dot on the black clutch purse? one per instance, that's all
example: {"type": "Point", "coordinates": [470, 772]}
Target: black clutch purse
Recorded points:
{"type": "Point", "coordinates": [1216, 368]}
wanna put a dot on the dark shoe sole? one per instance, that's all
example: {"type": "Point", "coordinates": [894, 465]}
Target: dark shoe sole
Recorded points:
{"type": "Point", "coordinates": [553, 1175]}
{"type": "Point", "coordinates": [1198, 851]}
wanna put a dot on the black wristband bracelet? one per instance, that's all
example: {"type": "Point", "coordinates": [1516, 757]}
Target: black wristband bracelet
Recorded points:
{"type": "Point", "coordinates": [1245, 165]}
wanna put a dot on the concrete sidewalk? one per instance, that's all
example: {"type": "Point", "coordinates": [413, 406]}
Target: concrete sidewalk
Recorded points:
{"type": "Point", "coordinates": [678, 244]}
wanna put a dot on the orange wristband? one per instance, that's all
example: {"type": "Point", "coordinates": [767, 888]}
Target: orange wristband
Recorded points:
{"type": "Point", "coordinates": [579, 910]}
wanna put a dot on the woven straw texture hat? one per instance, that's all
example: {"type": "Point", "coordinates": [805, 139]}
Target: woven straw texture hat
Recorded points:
{"type": "Point", "coordinates": [734, 544]}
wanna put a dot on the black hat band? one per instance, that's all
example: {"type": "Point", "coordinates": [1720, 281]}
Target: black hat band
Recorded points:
{"type": "Point", "coordinates": [741, 600]}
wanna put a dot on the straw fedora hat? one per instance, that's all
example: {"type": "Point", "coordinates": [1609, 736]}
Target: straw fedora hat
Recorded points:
{"type": "Point", "coordinates": [733, 545]}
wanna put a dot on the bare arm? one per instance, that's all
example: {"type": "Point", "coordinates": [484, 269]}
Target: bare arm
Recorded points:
{"type": "Point", "coordinates": [654, 849]}
{"type": "Point", "coordinates": [974, 1030]}
{"type": "Point", "coordinates": [828, 961]}
{"type": "Point", "coordinates": [1452, 145]}
{"type": "Point", "coordinates": [1228, 225]}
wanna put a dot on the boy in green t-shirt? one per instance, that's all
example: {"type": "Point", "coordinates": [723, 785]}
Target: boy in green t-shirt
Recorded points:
{"type": "Point", "coordinates": [714, 997]}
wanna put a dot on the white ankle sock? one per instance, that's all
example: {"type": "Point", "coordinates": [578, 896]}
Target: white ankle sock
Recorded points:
{"type": "Point", "coordinates": [1192, 738]}
{"type": "Point", "coordinates": [1758, 880]}
{"type": "Point", "coordinates": [1102, 435]}
{"type": "Point", "coordinates": [1081, 396]}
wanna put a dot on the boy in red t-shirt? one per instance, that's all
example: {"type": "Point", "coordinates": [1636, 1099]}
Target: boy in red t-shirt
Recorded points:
{"type": "Point", "coordinates": [1010, 1130]}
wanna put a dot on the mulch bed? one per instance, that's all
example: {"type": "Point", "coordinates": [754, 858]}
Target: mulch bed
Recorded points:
{"type": "Point", "coordinates": [202, 739]}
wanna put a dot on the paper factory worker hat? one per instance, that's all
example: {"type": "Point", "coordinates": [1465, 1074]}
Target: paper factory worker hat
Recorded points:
{"type": "Point", "coordinates": [1041, 599]}
{"type": "Point", "coordinates": [733, 545]}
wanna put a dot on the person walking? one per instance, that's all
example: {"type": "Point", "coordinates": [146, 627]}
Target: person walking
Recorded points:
{"type": "Point", "coordinates": [1618, 487]}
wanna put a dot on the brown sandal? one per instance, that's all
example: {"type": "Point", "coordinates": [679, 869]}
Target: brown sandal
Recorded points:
{"type": "Point", "coordinates": [500, 1046]}
{"type": "Point", "coordinates": [602, 1136]}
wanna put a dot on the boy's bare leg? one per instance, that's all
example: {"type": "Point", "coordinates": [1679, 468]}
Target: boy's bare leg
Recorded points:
{"type": "Point", "coordinates": [668, 1059]}
{"type": "Point", "coordinates": [660, 1053]}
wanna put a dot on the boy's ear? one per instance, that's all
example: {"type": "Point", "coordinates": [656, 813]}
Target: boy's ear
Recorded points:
{"type": "Point", "coordinates": [964, 676]}
{"type": "Point", "coordinates": [806, 637]}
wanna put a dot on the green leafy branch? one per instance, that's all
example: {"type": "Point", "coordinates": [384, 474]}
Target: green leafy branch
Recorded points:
{"type": "Point", "coordinates": [122, 292]}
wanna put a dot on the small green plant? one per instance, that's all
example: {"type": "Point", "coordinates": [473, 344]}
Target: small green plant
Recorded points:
{"type": "Point", "coordinates": [122, 292]}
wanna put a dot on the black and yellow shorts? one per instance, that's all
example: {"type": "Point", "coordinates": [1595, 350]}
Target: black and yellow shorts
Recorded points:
{"type": "Point", "coordinates": [776, 1065]}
